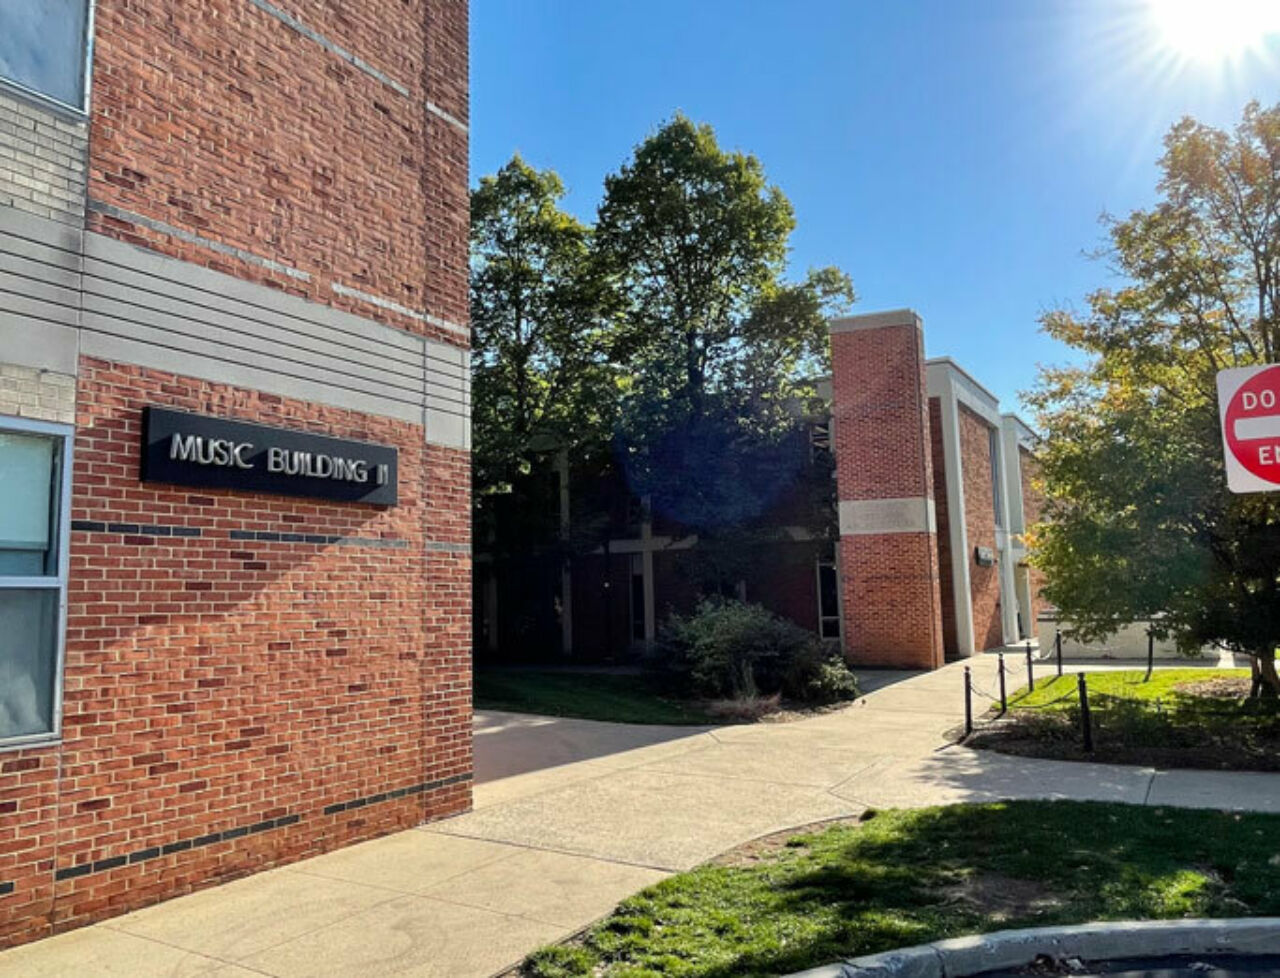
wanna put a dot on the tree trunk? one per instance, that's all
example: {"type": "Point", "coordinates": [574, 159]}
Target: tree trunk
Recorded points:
{"type": "Point", "coordinates": [1265, 663]}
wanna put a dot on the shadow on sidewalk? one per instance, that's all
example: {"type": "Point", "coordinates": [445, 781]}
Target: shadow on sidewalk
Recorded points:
{"type": "Point", "coordinates": [507, 744]}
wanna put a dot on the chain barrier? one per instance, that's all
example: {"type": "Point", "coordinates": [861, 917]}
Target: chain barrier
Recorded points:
{"type": "Point", "coordinates": [1099, 709]}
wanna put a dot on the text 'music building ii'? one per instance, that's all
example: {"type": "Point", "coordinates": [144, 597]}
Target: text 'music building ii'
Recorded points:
{"type": "Point", "coordinates": [234, 449]}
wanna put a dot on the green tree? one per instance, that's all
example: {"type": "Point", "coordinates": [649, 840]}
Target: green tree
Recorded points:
{"type": "Point", "coordinates": [1138, 518]}
{"type": "Point", "coordinates": [543, 384]}
{"type": "Point", "coordinates": [722, 351]}
{"type": "Point", "coordinates": [540, 319]}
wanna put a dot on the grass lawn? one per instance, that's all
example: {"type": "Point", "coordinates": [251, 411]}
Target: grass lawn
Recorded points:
{"type": "Point", "coordinates": [1197, 718]}
{"type": "Point", "coordinates": [905, 877]}
{"type": "Point", "coordinates": [1164, 685]}
{"type": "Point", "coordinates": [614, 697]}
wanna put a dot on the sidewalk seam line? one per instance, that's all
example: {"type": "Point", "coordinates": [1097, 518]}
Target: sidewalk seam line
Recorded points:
{"type": "Point", "coordinates": [391, 889]}
{"type": "Point", "coordinates": [107, 925]}
{"type": "Point", "coordinates": [567, 852]}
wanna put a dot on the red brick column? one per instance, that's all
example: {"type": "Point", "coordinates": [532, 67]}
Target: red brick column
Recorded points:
{"type": "Point", "coordinates": [888, 552]}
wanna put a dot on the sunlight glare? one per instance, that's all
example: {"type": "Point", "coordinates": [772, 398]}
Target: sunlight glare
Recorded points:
{"type": "Point", "coordinates": [1214, 30]}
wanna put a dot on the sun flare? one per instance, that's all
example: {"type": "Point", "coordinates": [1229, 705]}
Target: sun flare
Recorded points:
{"type": "Point", "coordinates": [1214, 30]}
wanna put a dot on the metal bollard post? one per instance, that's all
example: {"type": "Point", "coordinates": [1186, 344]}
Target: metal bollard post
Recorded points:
{"type": "Point", "coordinates": [1151, 655]}
{"type": "Point", "coordinates": [1057, 646]}
{"type": "Point", "coordinates": [1086, 720]}
{"type": "Point", "coordinates": [1004, 699]}
{"type": "Point", "coordinates": [968, 702]}
{"type": "Point", "coordinates": [1031, 676]}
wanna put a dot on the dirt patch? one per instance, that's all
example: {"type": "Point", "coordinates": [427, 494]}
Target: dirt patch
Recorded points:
{"type": "Point", "coordinates": [1221, 688]}
{"type": "Point", "coordinates": [1002, 897]}
{"type": "Point", "coordinates": [767, 846]}
{"type": "Point", "coordinates": [765, 709]}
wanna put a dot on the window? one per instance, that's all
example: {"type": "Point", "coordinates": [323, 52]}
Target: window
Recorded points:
{"type": "Point", "coordinates": [820, 442]}
{"type": "Point", "coordinates": [35, 486]}
{"type": "Point", "coordinates": [997, 491]}
{"type": "Point", "coordinates": [44, 48]}
{"type": "Point", "coordinates": [828, 598]}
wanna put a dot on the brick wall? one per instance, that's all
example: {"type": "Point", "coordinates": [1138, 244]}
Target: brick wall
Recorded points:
{"type": "Point", "coordinates": [249, 679]}
{"type": "Point", "coordinates": [42, 161]}
{"type": "Point", "coordinates": [889, 577]}
{"type": "Point", "coordinates": [233, 703]}
{"type": "Point", "coordinates": [980, 525]}
{"type": "Point", "coordinates": [312, 164]}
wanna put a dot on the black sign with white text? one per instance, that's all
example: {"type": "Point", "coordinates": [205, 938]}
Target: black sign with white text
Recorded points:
{"type": "Point", "coordinates": [214, 453]}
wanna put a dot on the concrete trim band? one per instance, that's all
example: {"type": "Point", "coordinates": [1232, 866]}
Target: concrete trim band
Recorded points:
{"type": "Point", "coordinates": [864, 517]}
{"type": "Point", "coordinates": [1001, 949]}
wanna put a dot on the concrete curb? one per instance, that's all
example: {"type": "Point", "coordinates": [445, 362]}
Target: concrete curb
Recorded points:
{"type": "Point", "coordinates": [1090, 942]}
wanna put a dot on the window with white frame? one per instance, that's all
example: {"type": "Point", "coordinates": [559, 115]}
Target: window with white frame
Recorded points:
{"type": "Point", "coordinates": [35, 487]}
{"type": "Point", "coordinates": [44, 48]}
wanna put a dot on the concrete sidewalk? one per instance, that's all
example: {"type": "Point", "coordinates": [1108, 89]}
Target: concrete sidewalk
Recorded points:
{"type": "Point", "coordinates": [570, 817]}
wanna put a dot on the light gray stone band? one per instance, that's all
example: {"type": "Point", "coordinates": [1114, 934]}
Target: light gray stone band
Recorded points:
{"type": "Point", "coordinates": [876, 320]}
{"type": "Point", "coordinates": [40, 276]}
{"type": "Point", "coordinates": [377, 543]}
{"type": "Point", "coordinates": [1006, 949]}
{"type": "Point", "coordinates": [72, 293]}
{"type": "Point", "coordinates": [449, 325]}
{"type": "Point", "coordinates": [449, 548]}
{"type": "Point", "coordinates": [946, 378]}
{"type": "Point", "coordinates": [290, 21]}
{"type": "Point", "coordinates": [440, 113]}
{"type": "Point", "coordinates": [377, 300]}
{"type": "Point", "coordinates": [148, 309]}
{"type": "Point", "coordinates": [183, 235]}
{"type": "Point", "coordinates": [862, 517]}
{"type": "Point", "coordinates": [392, 306]}
{"type": "Point", "coordinates": [45, 347]}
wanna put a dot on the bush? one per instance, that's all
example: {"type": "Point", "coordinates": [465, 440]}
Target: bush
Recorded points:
{"type": "Point", "coordinates": [734, 650]}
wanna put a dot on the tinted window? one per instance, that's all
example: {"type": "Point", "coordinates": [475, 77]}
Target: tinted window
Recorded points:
{"type": "Point", "coordinates": [29, 488]}
{"type": "Point", "coordinates": [32, 579]}
{"type": "Point", "coordinates": [42, 46]}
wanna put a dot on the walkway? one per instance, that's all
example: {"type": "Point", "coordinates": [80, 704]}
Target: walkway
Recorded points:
{"type": "Point", "coordinates": [570, 817]}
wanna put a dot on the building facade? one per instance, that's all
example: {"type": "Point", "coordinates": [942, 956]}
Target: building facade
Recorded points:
{"type": "Point", "coordinates": [932, 491]}
{"type": "Point", "coordinates": [935, 492]}
{"type": "Point", "coordinates": [234, 440]}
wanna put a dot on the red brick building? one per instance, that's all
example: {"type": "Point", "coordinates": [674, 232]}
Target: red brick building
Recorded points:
{"type": "Point", "coordinates": [935, 496]}
{"type": "Point", "coordinates": [924, 559]}
{"type": "Point", "coordinates": [245, 639]}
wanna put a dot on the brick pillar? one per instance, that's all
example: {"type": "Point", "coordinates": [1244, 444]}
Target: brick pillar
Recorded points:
{"type": "Point", "coordinates": [888, 551]}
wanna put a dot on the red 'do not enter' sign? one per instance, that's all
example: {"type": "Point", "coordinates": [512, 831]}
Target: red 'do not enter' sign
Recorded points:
{"type": "Point", "coordinates": [1249, 406]}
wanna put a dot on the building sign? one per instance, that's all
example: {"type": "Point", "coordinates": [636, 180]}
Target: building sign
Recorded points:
{"type": "Point", "coordinates": [1249, 407]}
{"type": "Point", "coordinates": [214, 453]}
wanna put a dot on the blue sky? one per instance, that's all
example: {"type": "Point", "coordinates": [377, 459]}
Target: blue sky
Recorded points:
{"type": "Point", "coordinates": [953, 156]}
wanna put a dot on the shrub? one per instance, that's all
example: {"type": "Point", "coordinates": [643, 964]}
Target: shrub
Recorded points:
{"type": "Point", "coordinates": [734, 650]}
